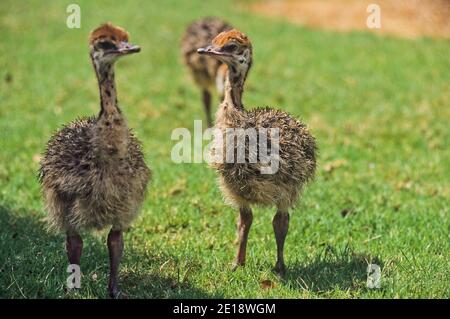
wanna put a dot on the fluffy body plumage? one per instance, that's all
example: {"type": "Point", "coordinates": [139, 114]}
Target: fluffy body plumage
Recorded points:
{"type": "Point", "coordinates": [81, 189]}
{"type": "Point", "coordinates": [243, 184]}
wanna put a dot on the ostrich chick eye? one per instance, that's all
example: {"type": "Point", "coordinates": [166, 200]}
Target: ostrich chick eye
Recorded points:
{"type": "Point", "coordinates": [229, 47]}
{"type": "Point", "coordinates": [106, 45]}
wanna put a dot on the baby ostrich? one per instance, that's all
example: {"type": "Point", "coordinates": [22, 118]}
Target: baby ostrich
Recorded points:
{"type": "Point", "coordinates": [93, 173]}
{"type": "Point", "coordinates": [243, 184]}
{"type": "Point", "coordinates": [206, 71]}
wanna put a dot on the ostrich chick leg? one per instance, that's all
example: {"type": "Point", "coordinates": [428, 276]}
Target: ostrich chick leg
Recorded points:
{"type": "Point", "coordinates": [115, 247]}
{"type": "Point", "coordinates": [280, 226]}
{"type": "Point", "coordinates": [74, 247]}
{"type": "Point", "coordinates": [244, 223]}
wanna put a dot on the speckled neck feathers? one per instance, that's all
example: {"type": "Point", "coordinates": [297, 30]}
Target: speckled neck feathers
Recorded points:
{"type": "Point", "coordinates": [111, 133]}
{"type": "Point", "coordinates": [234, 85]}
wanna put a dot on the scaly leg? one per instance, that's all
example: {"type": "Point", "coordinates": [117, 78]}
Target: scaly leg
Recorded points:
{"type": "Point", "coordinates": [74, 247]}
{"type": "Point", "coordinates": [115, 247]}
{"type": "Point", "coordinates": [280, 226]}
{"type": "Point", "coordinates": [243, 227]}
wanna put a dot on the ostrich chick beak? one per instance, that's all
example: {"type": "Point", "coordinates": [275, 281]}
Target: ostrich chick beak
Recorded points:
{"type": "Point", "coordinates": [210, 50]}
{"type": "Point", "coordinates": [127, 48]}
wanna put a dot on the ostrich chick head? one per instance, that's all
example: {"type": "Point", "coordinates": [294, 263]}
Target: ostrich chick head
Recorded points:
{"type": "Point", "coordinates": [233, 48]}
{"type": "Point", "coordinates": [107, 43]}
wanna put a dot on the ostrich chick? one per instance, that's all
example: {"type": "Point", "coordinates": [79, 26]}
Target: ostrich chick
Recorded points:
{"type": "Point", "coordinates": [207, 72]}
{"type": "Point", "coordinates": [243, 183]}
{"type": "Point", "coordinates": [93, 173]}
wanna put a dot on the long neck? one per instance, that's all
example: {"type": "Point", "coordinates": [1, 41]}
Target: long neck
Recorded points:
{"type": "Point", "coordinates": [234, 87]}
{"type": "Point", "coordinates": [111, 131]}
{"type": "Point", "coordinates": [107, 88]}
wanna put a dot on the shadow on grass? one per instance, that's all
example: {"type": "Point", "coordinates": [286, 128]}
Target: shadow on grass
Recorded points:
{"type": "Point", "coordinates": [333, 269]}
{"type": "Point", "coordinates": [33, 265]}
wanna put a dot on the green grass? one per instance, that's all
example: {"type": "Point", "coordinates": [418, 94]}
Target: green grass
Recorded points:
{"type": "Point", "coordinates": [378, 106]}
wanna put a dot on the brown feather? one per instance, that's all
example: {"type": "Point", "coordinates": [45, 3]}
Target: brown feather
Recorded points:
{"type": "Point", "coordinates": [81, 191]}
{"type": "Point", "coordinates": [108, 31]}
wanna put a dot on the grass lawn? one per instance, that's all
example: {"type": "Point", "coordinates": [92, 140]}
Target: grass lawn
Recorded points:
{"type": "Point", "coordinates": [378, 106]}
